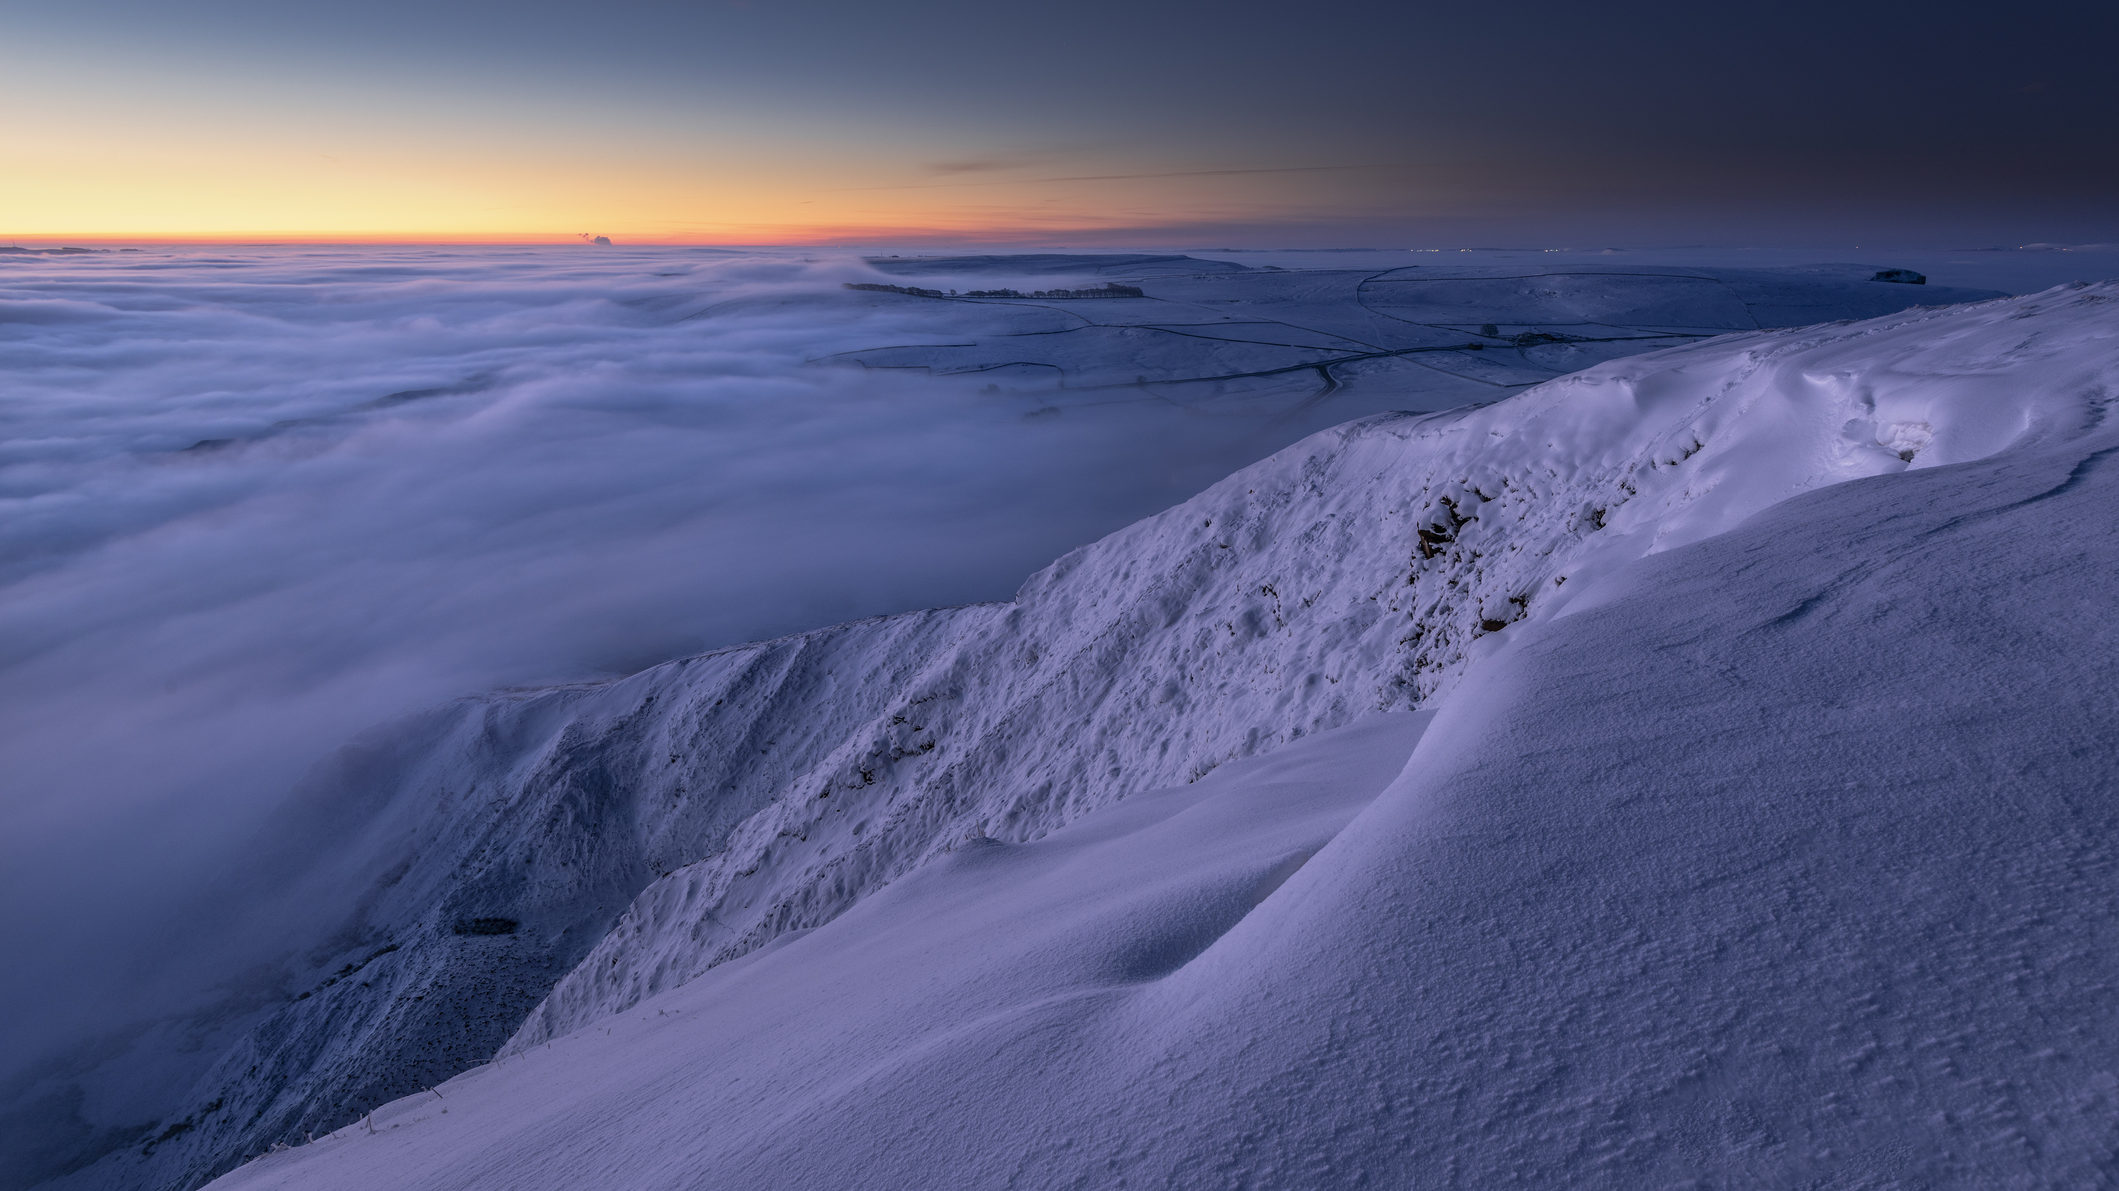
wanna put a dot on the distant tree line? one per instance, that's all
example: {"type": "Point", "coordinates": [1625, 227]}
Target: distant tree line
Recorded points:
{"type": "Point", "coordinates": [1106, 290]}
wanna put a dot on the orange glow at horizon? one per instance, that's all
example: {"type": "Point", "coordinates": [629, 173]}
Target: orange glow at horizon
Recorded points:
{"type": "Point", "coordinates": [269, 200]}
{"type": "Point", "coordinates": [144, 152]}
{"type": "Point", "coordinates": [276, 182]}
{"type": "Point", "coordinates": [267, 197]}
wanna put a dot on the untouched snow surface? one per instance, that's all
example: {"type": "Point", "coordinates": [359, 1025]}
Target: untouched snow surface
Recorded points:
{"type": "Point", "coordinates": [1763, 831]}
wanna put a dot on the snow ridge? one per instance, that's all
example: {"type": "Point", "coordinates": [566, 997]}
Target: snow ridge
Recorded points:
{"type": "Point", "coordinates": [753, 792]}
{"type": "Point", "coordinates": [1783, 859]}
{"type": "Point", "coordinates": [1357, 571]}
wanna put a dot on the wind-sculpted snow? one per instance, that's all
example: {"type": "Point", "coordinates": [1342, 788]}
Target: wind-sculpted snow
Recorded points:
{"type": "Point", "coordinates": [1356, 572]}
{"type": "Point", "coordinates": [541, 857]}
{"type": "Point", "coordinates": [1363, 570]}
{"type": "Point", "coordinates": [1783, 857]}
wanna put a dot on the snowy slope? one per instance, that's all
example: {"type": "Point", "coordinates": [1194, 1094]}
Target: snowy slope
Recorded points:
{"type": "Point", "coordinates": [1776, 847]}
{"type": "Point", "coordinates": [1356, 572]}
{"type": "Point", "coordinates": [763, 790]}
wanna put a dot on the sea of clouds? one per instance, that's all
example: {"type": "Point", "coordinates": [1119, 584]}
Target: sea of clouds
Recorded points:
{"type": "Point", "coordinates": [253, 502]}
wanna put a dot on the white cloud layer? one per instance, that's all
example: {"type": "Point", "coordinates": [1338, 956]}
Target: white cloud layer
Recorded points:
{"type": "Point", "coordinates": [254, 502]}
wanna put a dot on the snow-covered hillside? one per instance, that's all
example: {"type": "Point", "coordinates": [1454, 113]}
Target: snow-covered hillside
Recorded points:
{"type": "Point", "coordinates": [1761, 831]}
{"type": "Point", "coordinates": [717, 805]}
{"type": "Point", "coordinates": [1354, 573]}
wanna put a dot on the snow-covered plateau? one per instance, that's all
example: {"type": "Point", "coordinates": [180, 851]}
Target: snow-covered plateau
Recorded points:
{"type": "Point", "coordinates": [1698, 769]}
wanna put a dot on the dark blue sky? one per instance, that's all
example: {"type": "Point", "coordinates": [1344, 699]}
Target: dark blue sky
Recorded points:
{"type": "Point", "coordinates": [1637, 121]}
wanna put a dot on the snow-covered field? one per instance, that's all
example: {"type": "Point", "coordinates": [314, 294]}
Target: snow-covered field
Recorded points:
{"type": "Point", "coordinates": [923, 822]}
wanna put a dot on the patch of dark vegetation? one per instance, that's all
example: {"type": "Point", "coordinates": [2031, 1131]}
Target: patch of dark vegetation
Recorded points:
{"type": "Point", "coordinates": [1109, 289]}
{"type": "Point", "coordinates": [180, 1128]}
{"type": "Point", "coordinates": [1522, 338]}
{"type": "Point", "coordinates": [348, 970]}
{"type": "Point", "coordinates": [1900, 276]}
{"type": "Point", "coordinates": [1539, 338]}
{"type": "Point", "coordinates": [486, 926]}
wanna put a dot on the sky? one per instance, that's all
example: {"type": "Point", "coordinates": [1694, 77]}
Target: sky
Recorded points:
{"type": "Point", "coordinates": [1147, 122]}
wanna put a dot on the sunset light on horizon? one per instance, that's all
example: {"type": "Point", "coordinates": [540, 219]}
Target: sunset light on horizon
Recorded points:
{"type": "Point", "coordinates": [831, 122]}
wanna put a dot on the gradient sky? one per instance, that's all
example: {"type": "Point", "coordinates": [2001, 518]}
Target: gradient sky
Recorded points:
{"type": "Point", "coordinates": [1240, 123]}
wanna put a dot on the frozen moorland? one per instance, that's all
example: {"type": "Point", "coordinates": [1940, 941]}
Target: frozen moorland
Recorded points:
{"type": "Point", "coordinates": [941, 814]}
